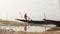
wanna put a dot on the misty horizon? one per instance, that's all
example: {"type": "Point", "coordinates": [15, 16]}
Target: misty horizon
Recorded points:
{"type": "Point", "coordinates": [11, 9]}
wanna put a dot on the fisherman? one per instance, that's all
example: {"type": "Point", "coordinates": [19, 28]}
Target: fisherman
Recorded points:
{"type": "Point", "coordinates": [25, 16]}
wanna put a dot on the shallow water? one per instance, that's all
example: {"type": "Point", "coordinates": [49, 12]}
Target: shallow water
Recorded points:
{"type": "Point", "coordinates": [29, 28]}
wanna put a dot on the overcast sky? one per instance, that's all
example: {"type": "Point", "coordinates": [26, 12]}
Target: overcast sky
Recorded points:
{"type": "Point", "coordinates": [10, 9]}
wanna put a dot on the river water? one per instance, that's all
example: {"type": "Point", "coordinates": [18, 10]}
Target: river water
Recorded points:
{"type": "Point", "coordinates": [29, 28]}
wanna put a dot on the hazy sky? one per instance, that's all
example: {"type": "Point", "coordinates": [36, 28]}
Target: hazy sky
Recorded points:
{"type": "Point", "coordinates": [10, 9]}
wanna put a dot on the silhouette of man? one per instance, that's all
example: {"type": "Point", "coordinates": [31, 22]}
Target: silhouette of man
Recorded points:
{"type": "Point", "coordinates": [25, 16]}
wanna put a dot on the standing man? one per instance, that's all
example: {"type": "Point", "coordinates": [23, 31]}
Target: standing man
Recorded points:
{"type": "Point", "coordinates": [25, 16]}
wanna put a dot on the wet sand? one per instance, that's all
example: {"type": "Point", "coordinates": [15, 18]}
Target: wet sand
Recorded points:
{"type": "Point", "coordinates": [55, 30]}
{"type": "Point", "coordinates": [21, 32]}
